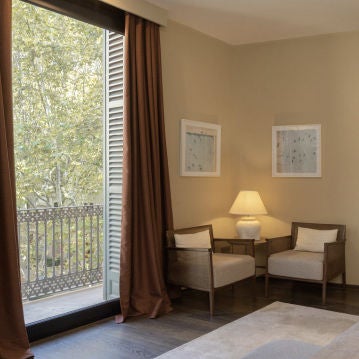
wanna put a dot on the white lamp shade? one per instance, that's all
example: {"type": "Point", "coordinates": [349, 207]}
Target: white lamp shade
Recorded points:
{"type": "Point", "coordinates": [248, 203]}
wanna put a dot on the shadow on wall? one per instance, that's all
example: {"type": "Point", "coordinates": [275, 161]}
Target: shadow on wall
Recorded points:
{"type": "Point", "coordinates": [274, 227]}
{"type": "Point", "coordinates": [271, 226]}
{"type": "Point", "coordinates": [225, 227]}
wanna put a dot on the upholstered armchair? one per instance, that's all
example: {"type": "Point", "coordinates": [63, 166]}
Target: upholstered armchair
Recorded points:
{"type": "Point", "coordinates": [193, 263]}
{"type": "Point", "coordinates": [313, 253]}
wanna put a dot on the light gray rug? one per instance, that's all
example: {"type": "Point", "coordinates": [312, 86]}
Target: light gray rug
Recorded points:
{"type": "Point", "coordinates": [277, 321]}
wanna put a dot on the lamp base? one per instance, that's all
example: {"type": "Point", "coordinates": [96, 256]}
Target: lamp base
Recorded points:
{"type": "Point", "coordinates": [248, 227]}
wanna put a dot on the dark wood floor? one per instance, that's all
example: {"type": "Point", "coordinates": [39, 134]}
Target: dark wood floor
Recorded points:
{"type": "Point", "coordinates": [147, 338]}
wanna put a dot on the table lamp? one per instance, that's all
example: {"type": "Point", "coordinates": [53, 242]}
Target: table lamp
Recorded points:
{"type": "Point", "coordinates": [248, 204]}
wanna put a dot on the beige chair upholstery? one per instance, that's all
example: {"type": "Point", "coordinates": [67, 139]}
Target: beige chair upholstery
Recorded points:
{"type": "Point", "coordinates": [203, 269]}
{"type": "Point", "coordinates": [283, 261]}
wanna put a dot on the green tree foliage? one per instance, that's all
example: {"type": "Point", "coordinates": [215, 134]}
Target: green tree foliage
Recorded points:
{"type": "Point", "coordinates": [58, 106]}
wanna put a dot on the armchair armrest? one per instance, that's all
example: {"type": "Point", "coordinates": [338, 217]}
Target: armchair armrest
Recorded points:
{"type": "Point", "coordinates": [247, 243]}
{"type": "Point", "coordinates": [278, 244]}
{"type": "Point", "coordinates": [334, 258]}
{"type": "Point", "coordinates": [190, 267]}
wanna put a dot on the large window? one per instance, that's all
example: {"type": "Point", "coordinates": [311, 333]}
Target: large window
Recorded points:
{"type": "Point", "coordinates": [68, 115]}
{"type": "Point", "coordinates": [58, 108]}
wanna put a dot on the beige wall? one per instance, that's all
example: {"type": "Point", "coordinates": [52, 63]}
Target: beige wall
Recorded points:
{"type": "Point", "coordinates": [304, 81]}
{"type": "Point", "coordinates": [197, 86]}
{"type": "Point", "coordinates": [248, 89]}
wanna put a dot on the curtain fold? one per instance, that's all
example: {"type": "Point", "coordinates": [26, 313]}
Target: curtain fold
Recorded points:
{"type": "Point", "coordinates": [147, 210]}
{"type": "Point", "coordinates": [13, 337]}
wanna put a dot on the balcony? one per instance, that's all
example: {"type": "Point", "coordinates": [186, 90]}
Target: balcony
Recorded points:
{"type": "Point", "coordinates": [61, 249]}
{"type": "Point", "coordinates": [37, 310]}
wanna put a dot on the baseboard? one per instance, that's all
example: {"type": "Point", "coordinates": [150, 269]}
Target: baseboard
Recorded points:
{"type": "Point", "coordinates": [71, 320]}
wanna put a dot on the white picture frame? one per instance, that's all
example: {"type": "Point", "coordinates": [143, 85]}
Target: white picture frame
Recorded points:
{"type": "Point", "coordinates": [296, 151]}
{"type": "Point", "coordinates": [200, 149]}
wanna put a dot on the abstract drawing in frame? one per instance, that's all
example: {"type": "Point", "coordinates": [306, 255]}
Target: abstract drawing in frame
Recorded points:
{"type": "Point", "coordinates": [200, 149]}
{"type": "Point", "coordinates": [296, 151]}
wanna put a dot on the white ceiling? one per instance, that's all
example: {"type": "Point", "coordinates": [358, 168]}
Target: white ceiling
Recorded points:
{"type": "Point", "coordinates": [247, 21]}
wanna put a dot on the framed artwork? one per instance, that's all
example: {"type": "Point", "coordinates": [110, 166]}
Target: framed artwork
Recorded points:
{"type": "Point", "coordinates": [200, 149]}
{"type": "Point", "coordinates": [296, 151]}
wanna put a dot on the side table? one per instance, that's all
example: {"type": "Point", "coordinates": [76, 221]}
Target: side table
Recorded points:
{"type": "Point", "coordinates": [260, 251]}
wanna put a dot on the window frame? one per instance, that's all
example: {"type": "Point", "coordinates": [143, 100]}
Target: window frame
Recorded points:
{"type": "Point", "coordinates": [108, 17]}
{"type": "Point", "coordinates": [94, 12]}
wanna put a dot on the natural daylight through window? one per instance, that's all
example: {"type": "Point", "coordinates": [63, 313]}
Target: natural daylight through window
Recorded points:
{"type": "Point", "coordinates": [62, 85]}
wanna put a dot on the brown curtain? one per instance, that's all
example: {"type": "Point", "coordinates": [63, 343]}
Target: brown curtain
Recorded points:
{"type": "Point", "coordinates": [13, 338]}
{"type": "Point", "coordinates": [147, 211]}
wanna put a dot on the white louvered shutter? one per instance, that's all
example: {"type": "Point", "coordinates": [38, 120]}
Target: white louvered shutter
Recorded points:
{"type": "Point", "coordinates": [114, 43]}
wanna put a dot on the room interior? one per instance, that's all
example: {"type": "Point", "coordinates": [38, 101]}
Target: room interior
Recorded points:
{"type": "Point", "coordinates": [272, 73]}
{"type": "Point", "coordinates": [248, 89]}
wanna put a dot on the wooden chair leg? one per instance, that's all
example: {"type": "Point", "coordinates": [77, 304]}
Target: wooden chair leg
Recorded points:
{"type": "Point", "coordinates": [211, 302]}
{"type": "Point", "coordinates": [324, 293]}
{"type": "Point", "coordinates": [344, 279]}
{"type": "Point", "coordinates": [254, 287]}
{"type": "Point", "coordinates": [266, 285]}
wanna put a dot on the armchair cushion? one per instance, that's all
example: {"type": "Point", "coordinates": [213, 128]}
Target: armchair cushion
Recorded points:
{"type": "Point", "coordinates": [200, 239]}
{"type": "Point", "coordinates": [313, 240]}
{"type": "Point", "coordinates": [231, 268]}
{"type": "Point", "coordinates": [297, 264]}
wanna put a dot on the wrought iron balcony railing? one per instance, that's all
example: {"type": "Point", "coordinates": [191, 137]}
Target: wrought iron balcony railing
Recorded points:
{"type": "Point", "coordinates": [60, 249]}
